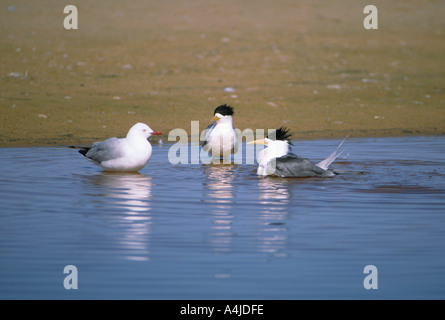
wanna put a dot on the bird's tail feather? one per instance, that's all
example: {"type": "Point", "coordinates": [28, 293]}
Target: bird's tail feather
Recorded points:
{"type": "Point", "coordinates": [332, 157]}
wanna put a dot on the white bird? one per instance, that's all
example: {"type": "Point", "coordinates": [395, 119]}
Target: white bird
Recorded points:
{"type": "Point", "coordinates": [277, 160]}
{"type": "Point", "coordinates": [220, 139]}
{"type": "Point", "coordinates": [129, 154]}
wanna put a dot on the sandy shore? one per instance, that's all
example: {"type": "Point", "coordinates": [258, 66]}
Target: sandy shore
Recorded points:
{"type": "Point", "coordinates": [308, 65]}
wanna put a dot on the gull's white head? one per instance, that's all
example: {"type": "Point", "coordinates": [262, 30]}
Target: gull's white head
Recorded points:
{"type": "Point", "coordinates": [141, 130]}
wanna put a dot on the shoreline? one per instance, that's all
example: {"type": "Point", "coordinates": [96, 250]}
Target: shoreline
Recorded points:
{"type": "Point", "coordinates": [296, 137]}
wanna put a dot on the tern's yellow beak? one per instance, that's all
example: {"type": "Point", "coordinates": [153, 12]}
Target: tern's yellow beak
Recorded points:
{"type": "Point", "coordinates": [215, 118]}
{"type": "Point", "coordinates": [262, 141]}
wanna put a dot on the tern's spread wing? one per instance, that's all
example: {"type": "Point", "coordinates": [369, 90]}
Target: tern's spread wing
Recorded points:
{"type": "Point", "coordinates": [334, 155]}
{"type": "Point", "coordinates": [109, 149]}
{"type": "Point", "coordinates": [295, 166]}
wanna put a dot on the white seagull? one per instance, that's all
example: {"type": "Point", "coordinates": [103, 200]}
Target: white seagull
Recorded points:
{"type": "Point", "coordinates": [220, 139]}
{"type": "Point", "coordinates": [277, 160]}
{"type": "Point", "coordinates": [129, 154]}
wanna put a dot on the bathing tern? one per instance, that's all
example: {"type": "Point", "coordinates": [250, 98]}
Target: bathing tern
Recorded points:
{"type": "Point", "coordinates": [277, 160]}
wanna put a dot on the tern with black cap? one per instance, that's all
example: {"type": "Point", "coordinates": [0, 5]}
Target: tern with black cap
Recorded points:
{"type": "Point", "coordinates": [277, 159]}
{"type": "Point", "coordinates": [221, 140]}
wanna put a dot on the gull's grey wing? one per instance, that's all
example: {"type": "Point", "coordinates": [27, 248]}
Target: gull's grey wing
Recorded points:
{"type": "Point", "coordinates": [109, 149]}
{"type": "Point", "coordinates": [295, 166]}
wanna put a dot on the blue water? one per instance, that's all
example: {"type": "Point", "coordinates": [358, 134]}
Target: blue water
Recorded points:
{"type": "Point", "coordinates": [221, 232]}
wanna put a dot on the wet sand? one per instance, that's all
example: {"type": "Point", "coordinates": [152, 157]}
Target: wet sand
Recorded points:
{"type": "Point", "coordinates": [309, 65]}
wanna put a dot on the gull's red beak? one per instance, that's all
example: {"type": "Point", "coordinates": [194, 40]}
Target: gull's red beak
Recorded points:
{"type": "Point", "coordinates": [156, 133]}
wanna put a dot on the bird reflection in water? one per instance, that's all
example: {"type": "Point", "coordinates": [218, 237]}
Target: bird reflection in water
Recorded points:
{"type": "Point", "coordinates": [220, 189]}
{"type": "Point", "coordinates": [274, 200]}
{"type": "Point", "coordinates": [129, 195]}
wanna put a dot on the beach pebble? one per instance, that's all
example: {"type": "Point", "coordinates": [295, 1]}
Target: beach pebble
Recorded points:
{"type": "Point", "coordinates": [15, 74]}
{"type": "Point", "coordinates": [334, 86]}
